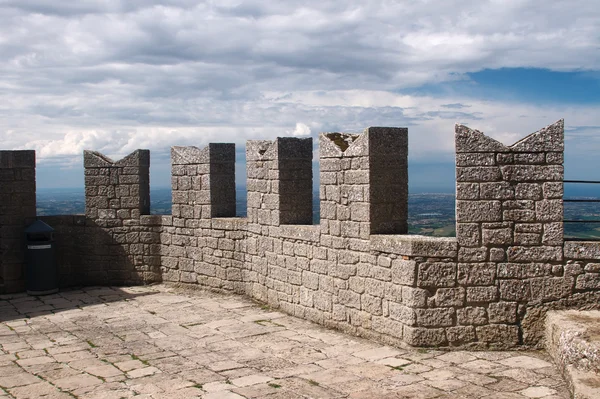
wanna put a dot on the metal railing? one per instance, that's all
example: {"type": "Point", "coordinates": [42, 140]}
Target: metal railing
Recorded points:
{"type": "Point", "coordinates": [589, 221]}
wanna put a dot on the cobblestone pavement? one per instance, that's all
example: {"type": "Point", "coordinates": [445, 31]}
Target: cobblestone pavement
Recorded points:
{"type": "Point", "coordinates": [160, 342]}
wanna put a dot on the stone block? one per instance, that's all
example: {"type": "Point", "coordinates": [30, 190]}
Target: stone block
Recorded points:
{"type": "Point", "coordinates": [553, 234]}
{"type": "Point", "coordinates": [467, 191]}
{"type": "Point", "coordinates": [553, 190]}
{"type": "Point", "coordinates": [497, 255]}
{"type": "Point", "coordinates": [450, 297]}
{"type": "Point", "coordinates": [476, 273]}
{"type": "Point", "coordinates": [498, 333]}
{"type": "Point", "coordinates": [588, 281]}
{"type": "Point", "coordinates": [551, 288]}
{"type": "Point", "coordinates": [349, 299]}
{"type": "Point", "coordinates": [555, 158]}
{"type": "Point", "coordinates": [498, 236]}
{"type": "Point", "coordinates": [478, 174]}
{"type": "Point", "coordinates": [436, 274]}
{"type": "Point", "coordinates": [548, 139]}
{"type": "Point", "coordinates": [466, 254]}
{"type": "Point", "coordinates": [420, 336]}
{"type": "Point", "coordinates": [470, 140]}
{"type": "Point", "coordinates": [436, 317]}
{"type": "Point", "coordinates": [502, 312]}
{"type": "Point", "coordinates": [523, 270]}
{"type": "Point", "coordinates": [404, 272]}
{"type": "Point", "coordinates": [478, 211]}
{"type": "Point", "coordinates": [528, 239]}
{"type": "Point", "coordinates": [371, 304]}
{"type": "Point", "coordinates": [496, 191]}
{"type": "Point", "coordinates": [467, 234]}
{"type": "Point", "coordinates": [549, 210]}
{"type": "Point", "coordinates": [519, 215]}
{"type": "Point", "coordinates": [460, 335]}
{"type": "Point", "coordinates": [475, 159]}
{"type": "Point", "coordinates": [402, 313]}
{"type": "Point", "coordinates": [387, 326]}
{"type": "Point", "coordinates": [414, 297]}
{"type": "Point", "coordinates": [530, 158]}
{"type": "Point", "coordinates": [528, 191]}
{"type": "Point", "coordinates": [482, 294]}
{"type": "Point", "coordinates": [414, 245]}
{"type": "Point", "coordinates": [582, 250]}
{"type": "Point", "coordinates": [515, 290]}
{"type": "Point", "coordinates": [534, 254]}
{"type": "Point", "coordinates": [532, 173]}
{"type": "Point", "coordinates": [472, 316]}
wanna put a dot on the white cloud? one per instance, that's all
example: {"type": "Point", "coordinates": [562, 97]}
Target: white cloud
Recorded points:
{"type": "Point", "coordinates": [300, 130]}
{"type": "Point", "coordinates": [116, 75]}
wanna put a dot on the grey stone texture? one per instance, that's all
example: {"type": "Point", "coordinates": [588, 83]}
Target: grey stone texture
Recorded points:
{"type": "Point", "coordinates": [164, 341]}
{"type": "Point", "coordinates": [357, 271]}
{"type": "Point", "coordinates": [17, 204]}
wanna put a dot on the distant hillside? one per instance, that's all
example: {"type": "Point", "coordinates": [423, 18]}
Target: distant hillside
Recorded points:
{"type": "Point", "coordinates": [429, 214]}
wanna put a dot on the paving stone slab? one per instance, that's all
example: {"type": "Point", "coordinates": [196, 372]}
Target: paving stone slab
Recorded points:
{"type": "Point", "coordinates": [164, 342]}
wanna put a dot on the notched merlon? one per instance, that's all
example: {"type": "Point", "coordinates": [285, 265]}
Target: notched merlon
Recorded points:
{"type": "Point", "coordinates": [342, 140]}
{"type": "Point", "coordinates": [259, 149]}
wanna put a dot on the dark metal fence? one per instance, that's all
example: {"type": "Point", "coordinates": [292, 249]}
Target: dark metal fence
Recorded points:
{"type": "Point", "coordinates": [586, 221]}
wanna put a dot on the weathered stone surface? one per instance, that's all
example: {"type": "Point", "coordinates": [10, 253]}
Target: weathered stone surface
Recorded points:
{"type": "Point", "coordinates": [470, 140]}
{"type": "Point", "coordinates": [476, 159]}
{"type": "Point", "coordinates": [482, 294]}
{"type": "Point", "coordinates": [472, 316]}
{"type": "Point", "coordinates": [498, 333]}
{"type": "Point", "coordinates": [478, 211]}
{"type": "Point", "coordinates": [436, 274]}
{"type": "Point", "coordinates": [468, 234]}
{"type": "Point", "coordinates": [532, 173]}
{"type": "Point", "coordinates": [550, 138]}
{"type": "Point", "coordinates": [415, 245]}
{"type": "Point", "coordinates": [478, 174]}
{"type": "Point", "coordinates": [476, 273]}
{"type": "Point", "coordinates": [582, 250]}
{"type": "Point", "coordinates": [450, 297]}
{"type": "Point", "coordinates": [533, 254]}
{"type": "Point", "coordinates": [419, 336]}
{"type": "Point", "coordinates": [437, 317]}
{"type": "Point", "coordinates": [502, 312]}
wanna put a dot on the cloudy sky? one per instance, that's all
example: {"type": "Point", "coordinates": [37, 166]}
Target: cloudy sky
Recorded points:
{"type": "Point", "coordinates": [117, 75]}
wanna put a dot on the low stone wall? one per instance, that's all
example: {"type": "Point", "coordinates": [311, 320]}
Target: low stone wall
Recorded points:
{"type": "Point", "coordinates": [357, 271]}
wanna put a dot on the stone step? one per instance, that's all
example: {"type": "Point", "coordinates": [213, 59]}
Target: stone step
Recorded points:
{"type": "Point", "coordinates": [573, 340]}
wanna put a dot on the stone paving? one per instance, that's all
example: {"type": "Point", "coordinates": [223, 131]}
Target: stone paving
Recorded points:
{"type": "Point", "coordinates": [164, 342]}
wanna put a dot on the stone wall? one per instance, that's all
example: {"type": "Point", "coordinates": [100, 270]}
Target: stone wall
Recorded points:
{"type": "Point", "coordinates": [357, 271]}
{"type": "Point", "coordinates": [17, 203]}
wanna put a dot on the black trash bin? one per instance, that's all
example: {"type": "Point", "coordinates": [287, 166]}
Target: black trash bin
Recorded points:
{"type": "Point", "coordinates": [41, 273]}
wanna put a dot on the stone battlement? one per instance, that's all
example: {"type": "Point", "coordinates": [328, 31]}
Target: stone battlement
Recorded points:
{"type": "Point", "coordinates": [358, 270]}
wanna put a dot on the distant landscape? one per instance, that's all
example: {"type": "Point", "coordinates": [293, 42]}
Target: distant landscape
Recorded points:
{"type": "Point", "coordinates": [430, 214]}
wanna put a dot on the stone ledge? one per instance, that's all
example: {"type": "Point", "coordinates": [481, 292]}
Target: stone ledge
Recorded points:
{"type": "Point", "coordinates": [301, 232]}
{"type": "Point", "coordinates": [408, 245]}
{"type": "Point", "coordinates": [573, 340]}
{"type": "Point", "coordinates": [228, 223]}
{"type": "Point", "coordinates": [582, 250]}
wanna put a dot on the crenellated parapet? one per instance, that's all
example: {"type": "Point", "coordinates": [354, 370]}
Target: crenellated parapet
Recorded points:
{"type": "Point", "coordinates": [358, 270]}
